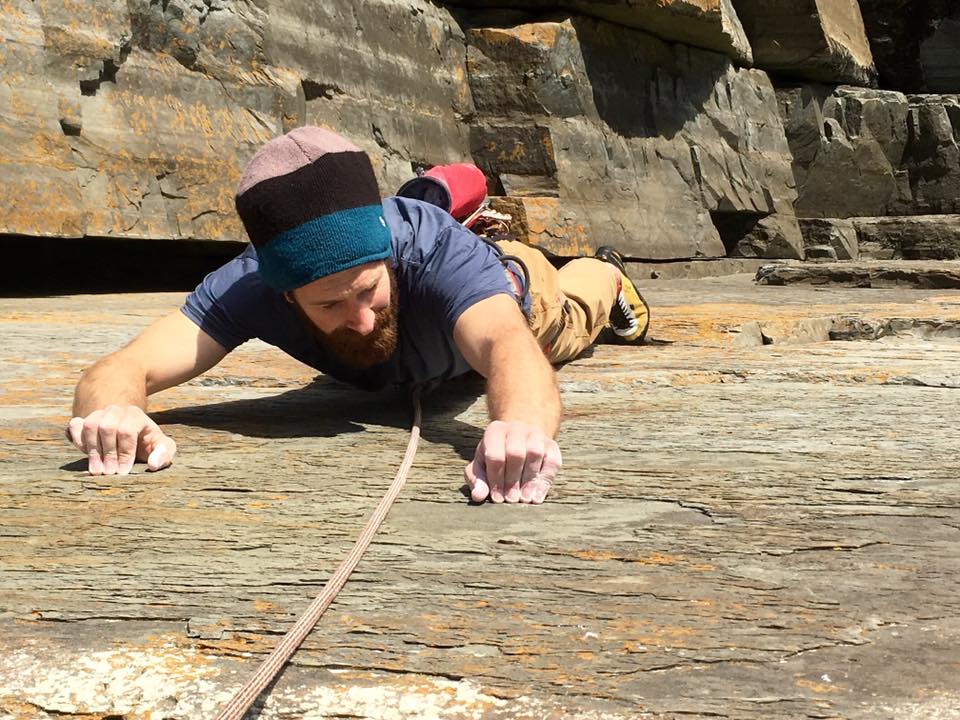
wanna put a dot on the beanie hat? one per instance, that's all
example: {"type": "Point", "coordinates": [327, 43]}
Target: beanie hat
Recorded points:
{"type": "Point", "coordinates": [310, 204]}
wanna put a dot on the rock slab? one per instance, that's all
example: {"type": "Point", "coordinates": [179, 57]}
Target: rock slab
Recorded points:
{"type": "Point", "coordinates": [839, 235]}
{"type": "Point", "coordinates": [719, 542]}
{"type": "Point", "coordinates": [865, 274]}
{"type": "Point", "coordinates": [922, 237]}
{"type": "Point", "coordinates": [134, 120]}
{"type": "Point", "coordinates": [821, 40]}
{"type": "Point", "coordinates": [667, 152]}
{"type": "Point", "coordinates": [708, 24]}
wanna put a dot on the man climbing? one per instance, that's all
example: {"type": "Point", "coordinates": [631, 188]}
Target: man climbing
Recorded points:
{"type": "Point", "coordinates": [373, 293]}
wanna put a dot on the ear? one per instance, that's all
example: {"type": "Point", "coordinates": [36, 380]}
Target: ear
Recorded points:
{"type": "Point", "coordinates": [288, 296]}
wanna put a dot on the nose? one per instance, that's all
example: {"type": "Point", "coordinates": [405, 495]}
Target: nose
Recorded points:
{"type": "Point", "coordinates": [361, 318]}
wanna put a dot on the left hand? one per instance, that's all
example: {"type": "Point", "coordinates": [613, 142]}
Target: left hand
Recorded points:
{"type": "Point", "coordinates": [514, 462]}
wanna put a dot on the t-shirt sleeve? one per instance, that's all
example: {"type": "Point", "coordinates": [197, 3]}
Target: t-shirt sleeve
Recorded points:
{"type": "Point", "coordinates": [224, 303]}
{"type": "Point", "coordinates": [461, 271]}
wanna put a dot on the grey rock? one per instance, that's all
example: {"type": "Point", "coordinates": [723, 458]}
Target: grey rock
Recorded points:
{"type": "Point", "coordinates": [820, 40]}
{"type": "Point", "coordinates": [932, 156]}
{"type": "Point", "coordinates": [729, 526]}
{"type": "Point", "coordinates": [820, 252]}
{"type": "Point", "coordinates": [837, 234]}
{"type": "Point", "coordinates": [670, 152]}
{"type": "Point", "coordinates": [388, 74]}
{"type": "Point", "coordinates": [860, 152]}
{"type": "Point", "coordinates": [930, 237]}
{"type": "Point", "coordinates": [871, 274]}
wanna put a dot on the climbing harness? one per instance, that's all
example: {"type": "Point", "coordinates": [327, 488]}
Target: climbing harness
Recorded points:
{"type": "Point", "coordinates": [268, 670]}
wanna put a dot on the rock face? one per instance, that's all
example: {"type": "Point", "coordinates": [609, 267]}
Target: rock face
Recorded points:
{"type": "Point", "coordinates": [388, 74]}
{"type": "Point", "coordinates": [838, 236]}
{"type": "Point", "coordinates": [135, 119]}
{"type": "Point", "coordinates": [860, 152]}
{"type": "Point", "coordinates": [666, 150]}
{"type": "Point", "coordinates": [632, 122]}
{"type": "Point", "coordinates": [814, 39]}
{"type": "Point", "coordinates": [915, 43]}
{"type": "Point", "coordinates": [709, 24]}
{"type": "Point", "coordinates": [927, 237]}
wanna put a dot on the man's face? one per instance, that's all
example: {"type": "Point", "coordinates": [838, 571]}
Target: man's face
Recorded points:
{"type": "Point", "coordinates": [352, 313]}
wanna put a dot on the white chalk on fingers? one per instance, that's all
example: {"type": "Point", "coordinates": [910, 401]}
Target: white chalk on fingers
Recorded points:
{"type": "Point", "coordinates": [158, 459]}
{"type": "Point", "coordinates": [74, 430]}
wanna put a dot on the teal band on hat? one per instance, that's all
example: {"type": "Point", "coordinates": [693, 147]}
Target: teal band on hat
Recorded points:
{"type": "Point", "coordinates": [323, 246]}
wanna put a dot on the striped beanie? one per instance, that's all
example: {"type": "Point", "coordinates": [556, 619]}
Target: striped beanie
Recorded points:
{"type": "Point", "coordinates": [311, 206]}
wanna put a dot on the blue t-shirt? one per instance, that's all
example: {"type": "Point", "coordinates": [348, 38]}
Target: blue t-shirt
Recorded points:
{"type": "Point", "coordinates": [441, 268]}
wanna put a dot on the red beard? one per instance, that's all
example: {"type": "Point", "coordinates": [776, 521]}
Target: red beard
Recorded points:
{"type": "Point", "coordinates": [356, 351]}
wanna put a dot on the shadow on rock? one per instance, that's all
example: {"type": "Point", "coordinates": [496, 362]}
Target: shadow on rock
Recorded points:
{"type": "Point", "coordinates": [327, 408]}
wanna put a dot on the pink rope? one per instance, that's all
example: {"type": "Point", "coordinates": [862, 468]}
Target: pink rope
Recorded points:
{"type": "Point", "coordinates": [246, 695]}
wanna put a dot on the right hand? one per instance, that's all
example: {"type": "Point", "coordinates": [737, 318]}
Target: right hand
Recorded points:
{"type": "Point", "coordinates": [114, 438]}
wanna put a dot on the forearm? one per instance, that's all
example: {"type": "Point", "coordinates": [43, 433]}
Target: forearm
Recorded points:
{"type": "Point", "coordinates": [112, 381]}
{"type": "Point", "coordinates": [522, 385]}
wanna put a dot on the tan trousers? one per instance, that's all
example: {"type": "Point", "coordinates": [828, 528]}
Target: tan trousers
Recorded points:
{"type": "Point", "coordinates": [568, 307]}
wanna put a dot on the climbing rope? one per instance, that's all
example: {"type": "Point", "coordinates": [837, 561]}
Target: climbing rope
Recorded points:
{"type": "Point", "coordinates": [265, 674]}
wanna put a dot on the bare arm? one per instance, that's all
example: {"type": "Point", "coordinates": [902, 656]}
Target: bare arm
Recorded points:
{"type": "Point", "coordinates": [517, 460]}
{"type": "Point", "coordinates": [170, 351]}
{"type": "Point", "coordinates": [109, 404]}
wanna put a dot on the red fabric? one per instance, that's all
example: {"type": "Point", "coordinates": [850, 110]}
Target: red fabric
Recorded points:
{"type": "Point", "coordinates": [466, 184]}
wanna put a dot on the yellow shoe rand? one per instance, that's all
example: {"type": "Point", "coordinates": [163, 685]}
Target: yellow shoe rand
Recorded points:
{"type": "Point", "coordinates": [635, 319]}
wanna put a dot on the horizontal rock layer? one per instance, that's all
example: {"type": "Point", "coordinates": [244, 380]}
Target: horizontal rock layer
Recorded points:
{"type": "Point", "coordinates": [924, 237]}
{"type": "Point", "coordinates": [136, 122]}
{"type": "Point", "coordinates": [820, 40]}
{"type": "Point", "coordinates": [709, 24]}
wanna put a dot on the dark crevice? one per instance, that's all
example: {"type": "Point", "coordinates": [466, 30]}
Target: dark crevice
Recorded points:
{"type": "Point", "coordinates": [69, 128]}
{"type": "Point", "coordinates": [65, 266]}
{"type": "Point", "coordinates": [108, 73]}
{"type": "Point", "coordinates": [734, 227]}
{"type": "Point", "coordinates": [313, 90]}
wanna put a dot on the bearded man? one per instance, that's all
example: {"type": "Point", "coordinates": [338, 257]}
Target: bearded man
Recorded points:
{"type": "Point", "coordinates": [375, 293]}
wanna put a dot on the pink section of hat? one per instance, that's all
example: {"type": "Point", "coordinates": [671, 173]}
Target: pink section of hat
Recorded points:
{"type": "Point", "coordinates": [289, 152]}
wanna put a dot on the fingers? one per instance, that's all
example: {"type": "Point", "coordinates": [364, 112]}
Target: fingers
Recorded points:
{"type": "Point", "coordinates": [128, 435]}
{"type": "Point", "coordinates": [515, 462]}
{"type": "Point", "coordinates": [107, 438]}
{"type": "Point", "coordinates": [74, 429]}
{"type": "Point", "coordinates": [494, 453]}
{"type": "Point", "coordinates": [158, 448]}
{"type": "Point", "coordinates": [90, 442]}
{"type": "Point", "coordinates": [536, 489]}
{"type": "Point", "coordinates": [536, 448]}
{"type": "Point", "coordinates": [516, 459]}
{"type": "Point", "coordinates": [116, 437]}
{"type": "Point", "coordinates": [475, 476]}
